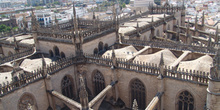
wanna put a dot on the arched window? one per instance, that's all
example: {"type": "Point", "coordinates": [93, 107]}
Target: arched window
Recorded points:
{"type": "Point", "coordinates": [158, 33]}
{"type": "Point", "coordinates": [62, 55]}
{"type": "Point", "coordinates": [27, 102]}
{"type": "Point", "coordinates": [51, 53]}
{"type": "Point", "coordinates": [98, 82]}
{"type": "Point", "coordinates": [56, 51]}
{"type": "Point", "coordinates": [100, 46]}
{"type": "Point", "coordinates": [168, 27]}
{"type": "Point", "coordinates": [138, 93]}
{"type": "Point", "coordinates": [95, 51]}
{"type": "Point", "coordinates": [67, 87]}
{"type": "Point", "coordinates": [106, 47]}
{"type": "Point", "coordinates": [185, 101]}
{"type": "Point", "coordinates": [10, 53]}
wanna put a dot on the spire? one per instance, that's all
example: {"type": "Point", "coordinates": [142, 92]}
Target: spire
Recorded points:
{"type": "Point", "coordinates": [78, 40]}
{"type": "Point", "coordinates": [196, 22]}
{"type": "Point", "coordinates": [209, 41]}
{"type": "Point", "coordinates": [215, 69]}
{"type": "Point", "coordinates": [183, 5]}
{"type": "Point", "coordinates": [161, 60]}
{"type": "Point", "coordinates": [15, 44]}
{"type": "Point", "coordinates": [44, 66]}
{"type": "Point", "coordinates": [93, 15]}
{"type": "Point", "coordinates": [135, 105]}
{"type": "Point", "coordinates": [178, 33]}
{"type": "Point", "coordinates": [161, 67]}
{"type": "Point", "coordinates": [114, 62]}
{"type": "Point", "coordinates": [138, 30]}
{"type": "Point", "coordinates": [56, 21]}
{"type": "Point", "coordinates": [187, 30]}
{"type": "Point", "coordinates": [189, 39]}
{"type": "Point", "coordinates": [164, 17]}
{"type": "Point", "coordinates": [33, 21]}
{"type": "Point", "coordinates": [24, 24]}
{"type": "Point", "coordinates": [83, 95]}
{"type": "Point", "coordinates": [203, 18]}
{"type": "Point", "coordinates": [216, 35]}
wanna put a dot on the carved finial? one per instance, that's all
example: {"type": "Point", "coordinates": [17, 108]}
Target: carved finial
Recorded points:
{"type": "Point", "coordinates": [43, 62]}
{"type": "Point", "coordinates": [196, 22]}
{"type": "Point", "coordinates": [93, 15]}
{"type": "Point", "coordinates": [183, 4]}
{"type": "Point", "coordinates": [24, 24]}
{"type": "Point", "coordinates": [210, 40]}
{"type": "Point", "coordinates": [161, 67]}
{"type": "Point", "coordinates": [216, 35]}
{"type": "Point", "coordinates": [178, 33]}
{"type": "Point", "coordinates": [56, 21]}
{"type": "Point", "coordinates": [138, 30]}
{"type": "Point", "coordinates": [114, 62]}
{"type": "Point", "coordinates": [15, 43]}
{"type": "Point", "coordinates": [203, 18]}
{"type": "Point", "coordinates": [135, 105]}
{"type": "Point", "coordinates": [187, 30]}
{"type": "Point", "coordinates": [83, 95]}
{"type": "Point", "coordinates": [161, 60]}
{"type": "Point", "coordinates": [33, 21]}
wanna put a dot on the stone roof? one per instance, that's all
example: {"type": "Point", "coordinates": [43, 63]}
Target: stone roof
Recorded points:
{"type": "Point", "coordinates": [202, 63]}
{"type": "Point", "coordinates": [125, 52]}
{"type": "Point", "coordinates": [154, 58]}
{"type": "Point", "coordinates": [19, 38]}
{"type": "Point", "coordinates": [33, 64]}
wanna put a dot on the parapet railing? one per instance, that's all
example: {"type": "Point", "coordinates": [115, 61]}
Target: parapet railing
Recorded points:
{"type": "Point", "coordinates": [25, 79]}
{"type": "Point", "coordinates": [7, 34]}
{"type": "Point", "coordinates": [192, 76]}
{"type": "Point", "coordinates": [171, 46]}
{"type": "Point", "coordinates": [17, 55]}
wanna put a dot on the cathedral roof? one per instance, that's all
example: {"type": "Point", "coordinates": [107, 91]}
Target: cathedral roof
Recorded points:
{"type": "Point", "coordinates": [200, 64]}
{"type": "Point", "coordinates": [33, 64]}
{"type": "Point", "coordinates": [154, 58]}
{"type": "Point", "coordinates": [125, 52]}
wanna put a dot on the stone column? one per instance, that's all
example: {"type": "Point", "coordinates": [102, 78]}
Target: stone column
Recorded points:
{"type": "Point", "coordinates": [213, 90]}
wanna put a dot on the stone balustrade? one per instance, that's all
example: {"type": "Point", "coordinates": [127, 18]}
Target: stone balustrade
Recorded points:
{"type": "Point", "coordinates": [24, 79]}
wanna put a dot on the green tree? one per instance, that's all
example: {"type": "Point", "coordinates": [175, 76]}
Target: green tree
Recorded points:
{"type": "Point", "coordinates": [3, 16]}
{"type": "Point", "coordinates": [15, 28]}
{"type": "Point", "coordinates": [4, 28]}
{"type": "Point", "coordinates": [56, 3]}
{"type": "Point", "coordinates": [123, 5]}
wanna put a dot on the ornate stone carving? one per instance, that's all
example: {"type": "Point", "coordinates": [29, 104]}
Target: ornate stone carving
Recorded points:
{"type": "Point", "coordinates": [26, 102]}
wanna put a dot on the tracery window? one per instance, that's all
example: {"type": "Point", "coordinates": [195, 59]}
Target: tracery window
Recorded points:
{"type": "Point", "coordinates": [56, 51]}
{"type": "Point", "coordinates": [138, 93]}
{"type": "Point", "coordinates": [99, 82]}
{"type": "Point", "coordinates": [106, 47]}
{"type": "Point", "coordinates": [62, 55]}
{"type": "Point", "coordinates": [95, 51]}
{"type": "Point", "coordinates": [185, 101]}
{"type": "Point", "coordinates": [27, 102]}
{"type": "Point", "coordinates": [67, 87]}
{"type": "Point", "coordinates": [100, 46]}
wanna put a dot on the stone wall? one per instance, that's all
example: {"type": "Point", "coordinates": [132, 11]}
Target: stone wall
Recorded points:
{"type": "Point", "coordinates": [36, 89]}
